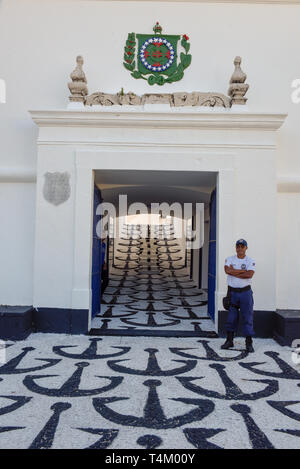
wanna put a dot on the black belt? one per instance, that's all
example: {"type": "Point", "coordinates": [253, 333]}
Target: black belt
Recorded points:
{"type": "Point", "coordinates": [248, 287]}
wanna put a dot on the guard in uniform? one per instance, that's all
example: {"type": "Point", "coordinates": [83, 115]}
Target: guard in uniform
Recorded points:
{"type": "Point", "coordinates": [240, 270]}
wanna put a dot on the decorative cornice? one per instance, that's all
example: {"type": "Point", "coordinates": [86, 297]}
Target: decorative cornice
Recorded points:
{"type": "Point", "coordinates": [220, 147]}
{"type": "Point", "coordinates": [170, 119]}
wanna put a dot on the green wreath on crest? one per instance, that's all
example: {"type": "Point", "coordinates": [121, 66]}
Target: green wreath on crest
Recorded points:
{"type": "Point", "coordinates": [159, 79]}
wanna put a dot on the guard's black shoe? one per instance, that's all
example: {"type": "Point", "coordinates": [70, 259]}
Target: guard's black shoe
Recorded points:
{"type": "Point", "coordinates": [229, 341]}
{"type": "Point", "coordinates": [249, 345]}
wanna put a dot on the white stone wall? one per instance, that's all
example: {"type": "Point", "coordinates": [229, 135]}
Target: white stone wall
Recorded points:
{"type": "Point", "coordinates": [288, 258]}
{"type": "Point", "coordinates": [17, 209]}
{"type": "Point", "coordinates": [42, 39]}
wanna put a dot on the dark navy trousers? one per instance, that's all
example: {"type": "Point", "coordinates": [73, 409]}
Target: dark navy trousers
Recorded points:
{"type": "Point", "coordinates": [244, 302]}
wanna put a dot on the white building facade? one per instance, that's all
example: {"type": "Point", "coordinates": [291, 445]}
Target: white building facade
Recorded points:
{"type": "Point", "coordinates": [248, 153]}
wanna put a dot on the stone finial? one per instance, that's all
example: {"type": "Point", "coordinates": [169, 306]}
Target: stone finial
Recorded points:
{"type": "Point", "coordinates": [78, 85]}
{"type": "Point", "coordinates": [238, 88]}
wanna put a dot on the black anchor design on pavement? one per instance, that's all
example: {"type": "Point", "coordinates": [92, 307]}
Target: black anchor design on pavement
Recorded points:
{"type": "Point", "coordinates": [115, 300]}
{"type": "Point", "coordinates": [19, 401]}
{"type": "Point", "coordinates": [166, 243]}
{"type": "Point", "coordinates": [281, 407]}
{"type": "Point", "coordinates": [119, 293]}
{"type": "Point", "coordinates": [128, 258]}
{"type": "Point", "coordinates": [130, 244]}
{"type": "Point", "coordinates": [150, 308]}
{"type": "Point", "coordinates": [198, 437]}
{"type": "Point", "coordinates": [153, 413]}
{"type": "Point", "coordinates": [10, 368]}
{"type": "Point", "coordinates": [104, 326]}
{"type": "Point", "coordinates": [150, 288]}
{"type": "Point", "coordinates": [150, 298]}
{"type": "Point", "coordinates": [45, 438]}
{"type": "Point", "coordinates": [90, 353]}
{"type": "Point", "coordinates": [211, 355]}
{"type": "Point", "coordinates": [71, 387]}
{"type": "Point", "coordinates": [107, 437]}
{"type": "Point", "coordinates": [108, 314]}
{"type": "Point", "coordinates": [10, 429]}
{"type": "Point", "coordinates": [180, 293]}
{"type": "Point", "coordinates": [202, 333]}
{"type": "Point", "coordinates": [233, 392]}
{"type": "Point", "coordinates": [126, 266]}
{"type": "Point", "coordinates": [169, 259]}
{"type": "Point", "coordinates": [257, 437]}
{"type": "Point", "coordinates": [140, 270]}
{"type": "Point", "coordinates": [137, 251]}
{"type": "Point", "coordinates": [175, 251]}
{"type": "Point", "coordinates": [287, 372]}
{"type": "Point", "coordinates": [290, 432]}
{"type": "Point", "coordinates": [179, 275]}
{"type": "Point", "coordinates": [149, 441]}
{"type": "Point", "coordinates": [153, 368]}
{"type": "Point", "coordinates": [172, 268]}
{"type": "Point", "coordinates": [152, 281]}
{"type": "Point", "coordinates": [178, 286]}
{"type": "Point", "coordinates": [124, 284]}
{"type": "Point", "coordinates": [118, 283]}
{"type": "Point", "coordinates": [178, 282]}
{"type": "Point", "coordinates": [151, 321]}
{"type": "Point", "coordinates": [185, 304]}
{"type": "Point", "coordinates": [118, 277]}
{"type": "Point", "coordinates": [190, 315]}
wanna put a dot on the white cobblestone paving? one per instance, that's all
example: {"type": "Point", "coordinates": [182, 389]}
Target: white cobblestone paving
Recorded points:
{"type": "Point", "coordinates": [258, 407]}
{"type": "Point", "coordinates": [59, 391]}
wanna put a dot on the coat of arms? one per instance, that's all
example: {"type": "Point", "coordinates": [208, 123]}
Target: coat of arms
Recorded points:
{"type": "Point", "coordinates": [155, 57]}
{"type": "Point", "coordinates": [57, 189]}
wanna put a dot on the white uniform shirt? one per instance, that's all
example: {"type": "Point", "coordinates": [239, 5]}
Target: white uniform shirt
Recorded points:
{"type": "Point", "coordinates": [240, 264]}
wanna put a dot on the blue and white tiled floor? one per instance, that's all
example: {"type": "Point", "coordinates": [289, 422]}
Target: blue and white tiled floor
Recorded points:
{"type": "Point", "coordinates": [59, 391]}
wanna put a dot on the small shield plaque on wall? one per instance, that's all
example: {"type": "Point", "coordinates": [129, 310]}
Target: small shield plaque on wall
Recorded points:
{"type": "Point", "coordinates": [57, 188]}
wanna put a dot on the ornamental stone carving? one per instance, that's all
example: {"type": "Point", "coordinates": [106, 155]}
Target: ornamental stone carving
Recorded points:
{"type": "Point", "coordinates": [238, 88]}
{"type": "Point", "coordinates": [201, 99]}
{"type": "Point", "coordinates": [78, 85]}
{"type": "Point", "coordinates": [157, 98]}
{"type": "Point", "coordinates": [102, 99]}
{"type": "Point", "coordinates": [119, 99]}
{"type": "Point", "coordinates": [129, 99]}
{"type": "Point", "coordinates": [173, 99]}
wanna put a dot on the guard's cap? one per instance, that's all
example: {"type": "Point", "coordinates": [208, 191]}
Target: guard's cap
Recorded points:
{"type": "Point", "coordinates": [241, 241]}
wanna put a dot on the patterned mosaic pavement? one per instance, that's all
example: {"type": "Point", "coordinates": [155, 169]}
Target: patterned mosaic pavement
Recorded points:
{"type": "Point", "coordinates": [59, 391]}
{"type": "Point", "coordinates": [150, 290]}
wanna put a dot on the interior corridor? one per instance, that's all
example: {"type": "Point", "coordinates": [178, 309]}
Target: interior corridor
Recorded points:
{"type": "Point", "coordinates": [150, 291]}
